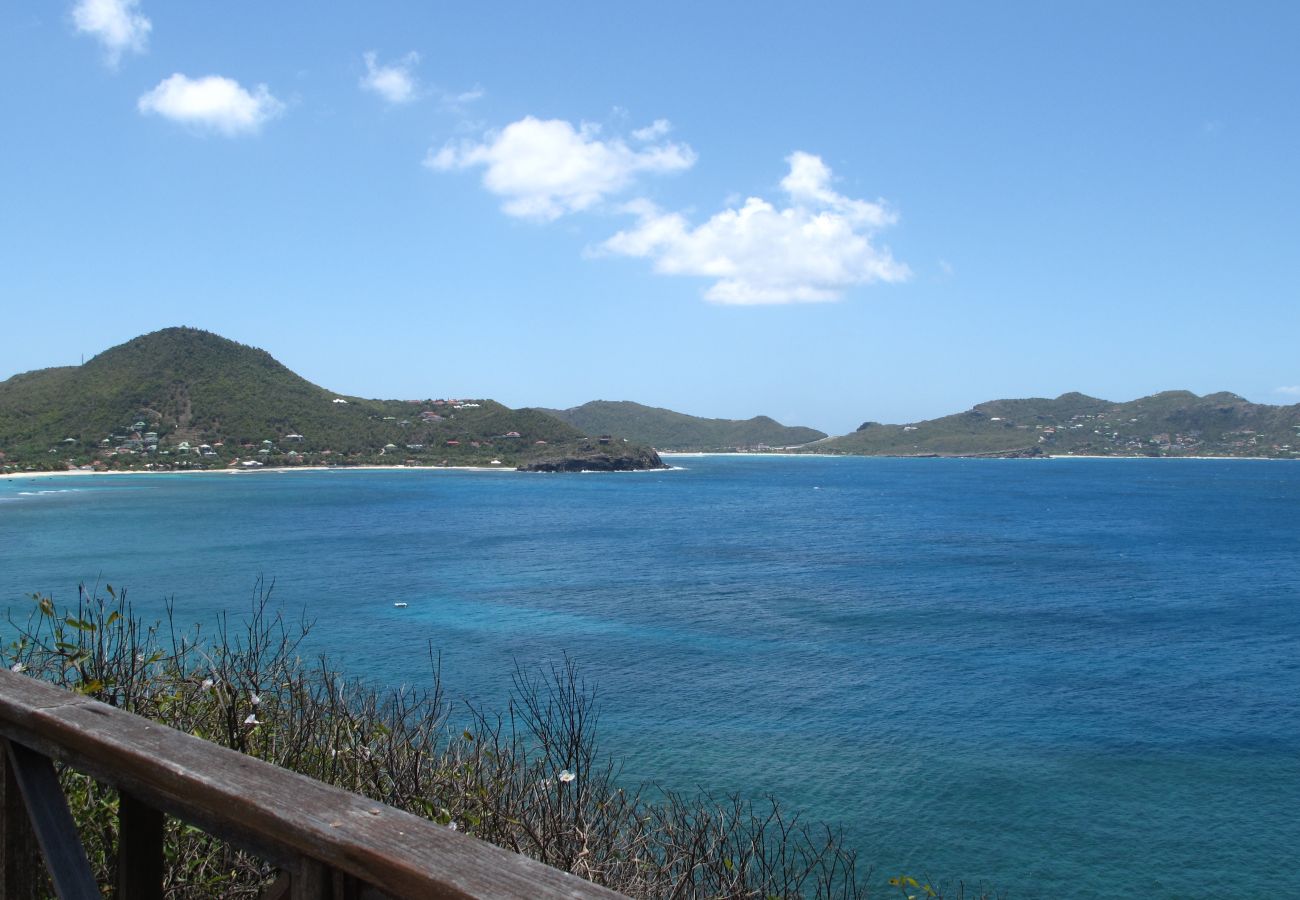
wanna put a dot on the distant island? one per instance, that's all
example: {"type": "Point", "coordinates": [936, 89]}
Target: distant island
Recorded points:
{"type": "Point", "coordinates": [1172, 423]}
{"type": "Point", "coordinates": [186, 399]}
{"type": "Point", "coordinates": [665, 429]}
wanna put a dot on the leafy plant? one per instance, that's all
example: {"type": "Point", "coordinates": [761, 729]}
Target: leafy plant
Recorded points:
{"type": "Point", "coordinates": [530, 778]}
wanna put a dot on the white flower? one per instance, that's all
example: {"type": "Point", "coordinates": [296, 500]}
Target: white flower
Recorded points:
{"type": "Point", "coordinates": [255, 700]}
{"type": "Point", "coordinates": [252, 719]}
{"type": "Point", "coordinates": [452, 825]}
{"type": "Point", "coordinates": [207, 684]}
{"type": "Point", "coordinates": [18, 667]}
{"type": "Point", "coordinates": [566, 776]}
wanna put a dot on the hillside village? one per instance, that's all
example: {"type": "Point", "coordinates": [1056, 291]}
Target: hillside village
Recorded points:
{"type": "Point", "coordinates": [144, 445]}
{"type": "Point", "coordinates": [186, 399]}
{"type": "Point", "coordinates": [1173, 423]}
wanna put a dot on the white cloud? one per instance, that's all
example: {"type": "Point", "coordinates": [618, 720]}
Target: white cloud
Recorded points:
{"type": "Point", "coordinates": [546, 168]}
{"type": "Point", "coordinates": [1292, 390]}
{"type": "Point", "coordinates": [809, 251]}
{"type": "Point", "coordinates": [464, 97]}
{"type": "Point", "coordinates": [211, 103]}
{"type": "Point", "coordinates": [395, 83]}
{"type": "Point", "coordinates": [656, 129]}
{"type": "Point", "coordinates": [114, 23]}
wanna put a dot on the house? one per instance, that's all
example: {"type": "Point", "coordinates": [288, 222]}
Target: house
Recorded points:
{"type": "Point", "coordinates": [340, 400]}
{"type": "Point", "coordinates": [513, 434]}
{"type": "Point", "coordinates": [453, 443]}
{"type": "Point", "coordinates": [295, 438]}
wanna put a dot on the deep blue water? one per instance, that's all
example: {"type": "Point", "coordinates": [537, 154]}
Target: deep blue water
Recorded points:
{"type": "Point", "coordinates": [1065, 678]}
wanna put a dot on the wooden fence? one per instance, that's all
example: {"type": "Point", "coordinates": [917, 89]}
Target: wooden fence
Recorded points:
{"type": "Point", "coordinates": [327, 842]}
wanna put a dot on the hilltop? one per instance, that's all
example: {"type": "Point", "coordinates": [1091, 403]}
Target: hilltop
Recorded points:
{"type": "Point", "coordinates": [665, 429]}
{"type": "Point", "coordinates": [1172, 423]}
{"type": "Point", "coordinates": [185, 398]}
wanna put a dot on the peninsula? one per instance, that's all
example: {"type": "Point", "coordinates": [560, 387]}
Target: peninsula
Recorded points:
{"type": "Point", "coordinates": [1172, 423]}
{"type": "Point", "coordinates": [183, 399]}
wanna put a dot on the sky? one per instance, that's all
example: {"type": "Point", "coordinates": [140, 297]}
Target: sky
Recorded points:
{"type": "Point", "coordinates": [825, 213]}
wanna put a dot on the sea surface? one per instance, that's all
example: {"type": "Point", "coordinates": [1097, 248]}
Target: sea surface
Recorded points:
{"type": "Point", "coordinates": [1063, 678]}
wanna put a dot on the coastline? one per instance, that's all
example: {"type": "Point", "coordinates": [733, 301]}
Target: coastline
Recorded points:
{"type": "Point", "coordinates": [9, 476]}
{"type": "Point", "coordinates": [15, 476]}
{"type": "Point", "coordinates": [699, 454]}
{"type": "Point", "coordinates": [284, 470]}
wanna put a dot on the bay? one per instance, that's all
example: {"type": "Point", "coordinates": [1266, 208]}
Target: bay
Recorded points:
{"type": "Point", "coordinates": [1061, 677]}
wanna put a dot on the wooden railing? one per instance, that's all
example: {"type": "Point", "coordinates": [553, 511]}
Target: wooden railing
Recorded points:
{"type": "Point", "coordinates": [327, 842]}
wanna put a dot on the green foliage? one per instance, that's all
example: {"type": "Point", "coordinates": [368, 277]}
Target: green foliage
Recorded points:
{"type": "Point", "coordinates": [668, 430]}
{"type": "Point", "coordinates": [1173, 423]}
{"type": "Point", "coordinates": [195, 387]}
{"type": "Point", "coordinates": [531, 779]}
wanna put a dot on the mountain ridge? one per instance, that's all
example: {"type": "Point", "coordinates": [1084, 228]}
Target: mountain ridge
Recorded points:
{"type": "Point", "coordinates": [187, 398]}
{"type": "Point", "coordinates": [1168, 423]}
{"type": "Point", "coordinates": [667, 429]}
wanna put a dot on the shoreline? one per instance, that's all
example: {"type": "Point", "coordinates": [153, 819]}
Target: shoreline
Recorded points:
{"type": "Point", "coordinates": [283, 470]}
{"type": "Point", "coordinates": [8, 476]}
{"type": "Point", "coordinates": [699, 454]}
{"type": "Point", "coordinates": [688, 454]}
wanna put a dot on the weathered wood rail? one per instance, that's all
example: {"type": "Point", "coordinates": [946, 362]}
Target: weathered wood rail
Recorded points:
{"type": "Point", "coordinates": [329, 844]}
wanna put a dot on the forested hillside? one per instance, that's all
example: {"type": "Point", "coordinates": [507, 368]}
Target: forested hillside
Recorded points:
{"type": "Point", "coordinates": [187, 398]}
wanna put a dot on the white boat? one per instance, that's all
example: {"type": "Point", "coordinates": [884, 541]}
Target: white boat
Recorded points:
{"type": "Point", "coordinates": [400, 604]}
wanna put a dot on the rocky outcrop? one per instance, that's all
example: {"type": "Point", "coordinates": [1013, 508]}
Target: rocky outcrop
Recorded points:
{"type": "Point", "coordinates": [598, 460]}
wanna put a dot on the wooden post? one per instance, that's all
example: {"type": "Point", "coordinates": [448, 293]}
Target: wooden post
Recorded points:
{"type": "Point", "coordinates": [311, 881]}
{"type": "Point", "coordinates": [311, 830]}
{"type": "Point", "coordinates": [56, 833]}
{"type": "Point", "coordinates": [139, 849]}
{"type": "Point", "coordinates": [22, 874]}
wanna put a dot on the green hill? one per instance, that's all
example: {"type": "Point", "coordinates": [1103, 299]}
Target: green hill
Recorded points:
{"type": "Point", "coordinates": [1172, 423]}
{"type": "Point", "coordinates": [668, 430]}
{"type": "Point", "coordinates": [191, 389]}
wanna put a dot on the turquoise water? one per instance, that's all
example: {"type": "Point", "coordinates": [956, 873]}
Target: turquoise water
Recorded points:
{"type": "Point", "coordinates": [1065, 678]}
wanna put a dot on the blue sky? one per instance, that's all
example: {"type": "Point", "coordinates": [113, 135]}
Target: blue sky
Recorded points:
{"type": "Point", "coordinates": [826, 214]}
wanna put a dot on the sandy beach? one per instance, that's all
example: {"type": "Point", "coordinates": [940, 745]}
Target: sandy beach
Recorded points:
{"type": "Point", "coordinates": [78, 473]}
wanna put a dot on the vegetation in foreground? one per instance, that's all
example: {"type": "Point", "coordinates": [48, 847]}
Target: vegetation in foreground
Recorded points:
{"type": "Point", "coordinates": [530, 779]}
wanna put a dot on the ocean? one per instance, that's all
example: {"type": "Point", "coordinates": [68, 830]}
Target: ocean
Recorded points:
{"type": "Point", "coordinates": [1056, 677]}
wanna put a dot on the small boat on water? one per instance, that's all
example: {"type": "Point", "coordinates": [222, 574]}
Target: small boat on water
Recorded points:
{"type": "Point", "coordinates": [400, 604]}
